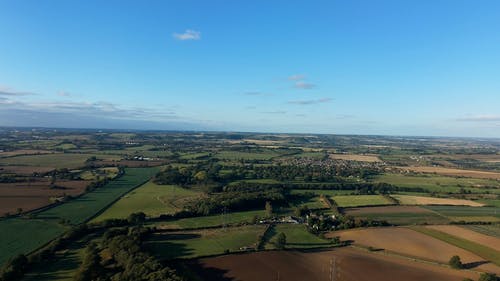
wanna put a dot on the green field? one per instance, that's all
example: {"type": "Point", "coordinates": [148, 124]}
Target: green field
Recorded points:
{"type": "Point", "coordinates": [88, 205]}
{"type": "Point", "coordinates": [360, 200]}
{"type": "Point", "coordinates": [311, 203]}
{"type": "Point", "coordinates": [436, 183]}
{"type": "Point", "coordinates": [464, 211]}
{"type": "Point", "coordinates": [297, 236]}
{"type": "Point", "coordinates": [25, 235]}
{"type": "Point", "coordinates": [480, 250]}
{"type": "Point", "coordinates": [152, 199]}
{"type": "Point", "coordinates": [22, 236]}
{"type": "Point", "coordinates": [56, 160]}
{"type": "Point", "coordinates": [207, 242]}
{"type": "Point", "coordinates": [211, 221]}
{"type": "Point", "coordinates": [191, 156]}
{"type": "Point", "coordinates": [491, 202]}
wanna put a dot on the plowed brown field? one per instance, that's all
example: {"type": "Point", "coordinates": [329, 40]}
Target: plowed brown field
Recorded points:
{"type": "Point", "coordinates": [348, 264]}
{"type": "Point", "coordinates": [29, 196]}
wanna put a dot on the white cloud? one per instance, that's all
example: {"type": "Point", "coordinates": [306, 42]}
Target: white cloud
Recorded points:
{"type": "Point", "coordinates": [189, 34]}
{"type": "Point", "coordinates": [5, 91]}
{"type": "Point", "coordinates": [275, 112]}
{"type": "Point", "coordinates": [64, 94]}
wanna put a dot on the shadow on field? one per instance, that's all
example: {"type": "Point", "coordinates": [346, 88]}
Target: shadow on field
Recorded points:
{"type": "Point", "coordinates": [207, 273]}
{"type": "Point", "coordinates": [474, 264]}
{"type": "Point", "coordinates": [170, 246]}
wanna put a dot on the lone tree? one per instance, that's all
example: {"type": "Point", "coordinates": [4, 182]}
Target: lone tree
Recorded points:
{"type": "Point", "coordinates": [136, 218]}
{"type": "Point", "coordinates": [269, 208]}
{"type": "Point", "coordinates": [281, 241]}
{"type": "Point", "coordinates": [455, 262]}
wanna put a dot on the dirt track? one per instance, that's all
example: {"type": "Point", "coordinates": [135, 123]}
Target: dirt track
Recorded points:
{"type": "Point", "coordinates": [348, 264]}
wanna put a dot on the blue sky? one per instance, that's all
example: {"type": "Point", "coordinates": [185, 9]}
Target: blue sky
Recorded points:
{"type": "Point", "coordinates": [341, 67]}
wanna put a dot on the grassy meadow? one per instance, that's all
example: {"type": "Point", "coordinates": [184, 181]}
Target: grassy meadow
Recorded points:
{"type": "Point", "coordinates": [152, 199]}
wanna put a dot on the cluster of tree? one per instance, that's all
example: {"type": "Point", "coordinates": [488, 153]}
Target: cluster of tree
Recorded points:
{"type": "Point", "coordinates": [201, 173]}
{"type": "Point", "coordinates": [8, 179]}
{"type": "Point", "coordinates": [325, 223]}
{"type": "Point", "coordinates": [308, 173]}
{"type": "Point", "coordinates": [128, 261]}
{"type": "Point", "coordinates": [96, 184]}
{"type": "Point", "coordinates": [14, 269]}
{"type": "Point", "coordinates": [237, 201]}
{"type": "Point", "coordinates": [356, 187]}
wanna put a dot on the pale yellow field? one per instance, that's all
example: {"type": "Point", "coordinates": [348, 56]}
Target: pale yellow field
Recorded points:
{"type": "Point", "coordinates": [421, 200]}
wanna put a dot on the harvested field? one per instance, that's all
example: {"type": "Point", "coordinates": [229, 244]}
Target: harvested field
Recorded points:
{"type": "Point", "coordinates": [421, 200]}
{"type": "Point", "coordinates": [453, 172]}
{"type": "Point", "coordinates": [350, 265]}
{"type": "Point", "coordinates": [486, 253]}
{"type": "Point", "coordinates": [361, 200]}
{"type": "Point", "coordinates": [24, 152]}
{"type": "Point", "coordinates": [411, 243]}
{"type": "Point", "coordinates": [129, 163]}
{"type": "Point", "coordinates": [462, 232]}
{"type": "Point", "coordinates": [34, 195]}
{"type": "Point", "coordinates": [57, 160]}
{"type": "Point", "coordinates": [387, 210]}
{"type": "Point", "coordinates": [356, 157]}
{"type": "Point", "coordinates": [24, 170]}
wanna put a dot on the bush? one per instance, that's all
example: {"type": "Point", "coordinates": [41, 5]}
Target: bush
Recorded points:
{"type": "Point", "coordinates": [281, 241]}
{"type": "Point", "coordinates": [488, 277]}
{"type": "Point", "coordinates": [455, 262]}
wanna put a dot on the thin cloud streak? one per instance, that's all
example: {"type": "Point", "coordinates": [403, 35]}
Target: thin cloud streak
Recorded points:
{"type": "Point", "coordinates": [274, 112]}
{"type": "Point", "coordinates": [4, 91]}
{"type": "Point", "coordinates": [480, 118]}
{"type": "Point", "coordinates": [309, 102]}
